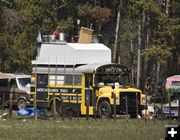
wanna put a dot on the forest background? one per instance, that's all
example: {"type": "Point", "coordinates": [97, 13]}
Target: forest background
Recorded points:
{"type": "Point", "coordinates": [142, 34]}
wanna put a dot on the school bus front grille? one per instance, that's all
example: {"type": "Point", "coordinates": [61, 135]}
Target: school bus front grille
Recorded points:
{"type": "Point", "coordinates": [129, 100]}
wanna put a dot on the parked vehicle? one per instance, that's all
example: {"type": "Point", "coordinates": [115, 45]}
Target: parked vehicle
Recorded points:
{"type": "Point", "coordinates": [77, 73]}
{"type": "Point", "coordinates": [172, 86]}
{"type": "Point", "coordinates": [18, 85]}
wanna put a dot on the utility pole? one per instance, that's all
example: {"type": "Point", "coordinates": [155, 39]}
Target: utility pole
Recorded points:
{"type": "Point", "coordinates": [139, 54]}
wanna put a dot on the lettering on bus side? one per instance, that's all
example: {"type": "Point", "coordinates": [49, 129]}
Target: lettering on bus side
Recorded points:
{"type": "Point", "coordinates": [75, 98]}
{"type": "Point", "coordinates": [42, 90]}
{"type": "Point", "coordinates": [110, 69]}
{"type": "Point", "coordinates": [64, 90]}
{"type": "Point", "coordinates": [60, 90]}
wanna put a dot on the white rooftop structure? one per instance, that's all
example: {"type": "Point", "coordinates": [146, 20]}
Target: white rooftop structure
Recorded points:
{"type": "Point", "coordinates": [61, 53]}
{"type": "Point", "coordinates": [13, 75]}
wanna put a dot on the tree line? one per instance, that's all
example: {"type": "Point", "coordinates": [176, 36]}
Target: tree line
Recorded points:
{"type": "Point", "coordinates": [142, 34]}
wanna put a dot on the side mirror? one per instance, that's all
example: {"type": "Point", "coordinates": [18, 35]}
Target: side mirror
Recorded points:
{"type": "Point", "coordinates": [113, 86]}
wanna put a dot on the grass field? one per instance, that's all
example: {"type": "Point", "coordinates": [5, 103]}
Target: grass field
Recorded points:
{"type": "Point", "coordinates": [119, 129]}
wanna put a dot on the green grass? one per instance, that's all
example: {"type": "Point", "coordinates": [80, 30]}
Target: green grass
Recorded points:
{"type": "Point", "coordinates": [119, 129]}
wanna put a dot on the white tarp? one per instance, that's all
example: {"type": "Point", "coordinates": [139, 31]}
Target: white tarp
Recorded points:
{"type": "Point", "coordinates": [73, 53]}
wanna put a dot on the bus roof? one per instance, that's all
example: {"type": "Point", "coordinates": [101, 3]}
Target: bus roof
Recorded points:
{"type": "Point", "coordinates": [88, 68]}
{"type": "Point", "coordinates": [102, 68]}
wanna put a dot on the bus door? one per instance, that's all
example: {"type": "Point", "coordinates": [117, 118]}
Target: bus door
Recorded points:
{"type": "Point", "coordinates": [42, 88]}
{"type": "Point", "coordinates": [89, 92]}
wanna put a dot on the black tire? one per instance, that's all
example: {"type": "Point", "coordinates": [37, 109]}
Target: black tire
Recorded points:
{"type": "Point", "coordinates": [104, 110]}
{"type": "Point", "coordinates": [21, 104]}
{"type": "Point", "coordinates": [133, 115]}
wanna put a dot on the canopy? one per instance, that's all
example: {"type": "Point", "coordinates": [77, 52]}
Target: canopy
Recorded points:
{"type": "Point", "coordinates": [173, 84]}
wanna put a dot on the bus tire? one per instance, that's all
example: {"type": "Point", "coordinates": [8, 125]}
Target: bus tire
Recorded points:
{"type": "Point", "coordinates": [21, 104]}
{"type": "Point", "coordinates": [104, 109]}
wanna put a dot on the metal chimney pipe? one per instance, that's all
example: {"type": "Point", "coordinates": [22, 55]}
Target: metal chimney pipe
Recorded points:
{"type": "Point", "coordinates": [61, 37]}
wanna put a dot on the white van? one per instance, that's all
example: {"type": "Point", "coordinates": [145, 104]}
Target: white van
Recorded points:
{"type": "Point", "coordinates": [18, 85]}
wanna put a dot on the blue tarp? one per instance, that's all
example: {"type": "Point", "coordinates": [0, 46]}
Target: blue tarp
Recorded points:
{"type": "Point", "coordinates": [29, 112]}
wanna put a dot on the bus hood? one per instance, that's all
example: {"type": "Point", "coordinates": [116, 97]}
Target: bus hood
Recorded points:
{"type": "Point", "coordinates": [120, 89]}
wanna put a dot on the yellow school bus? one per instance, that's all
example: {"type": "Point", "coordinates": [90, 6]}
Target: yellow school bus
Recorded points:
{"type": "Point", "coordinates": [108, 87]}
{"type": "Point", "coordinates": [74, 72]}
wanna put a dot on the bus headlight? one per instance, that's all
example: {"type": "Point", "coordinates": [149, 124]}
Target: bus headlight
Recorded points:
{"type": "Point", "coordinates": [144, 100]}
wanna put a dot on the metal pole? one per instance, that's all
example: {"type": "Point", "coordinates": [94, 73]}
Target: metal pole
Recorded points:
{"type": "Point", "coordinates": [10, 105]}
{"type": "Point", "coordinates": [61, 107]}
{"type": "Point", "coordinates": [87, 107]}
{"type": "Point", "coordinates": [126, 100]}
{"type": "Point", "coordinates": [147, 86]}
{"type": "Point", "coordinates": [77, 104]}
{"type": "Point", "coordinates": [35, 108]}
{"type": "Point", "coordinates": [161, 108]}
{"type": "Point", "coordinates": [54, 106]}
{"type": "Point", "coordinates": [169, 105]}
{"type": "Point", "coordinates": [45, 117]}
{"type": "Point", "coordinates": [114, 95]}
{"type": "Point", "coordinates": [95, 113]}
{"type": "Point", "coordinates": [137, 105]}
{"type": "Point", "coordinates": [3, 102]}
{"type": "Point", "coordinates": [70, 108]}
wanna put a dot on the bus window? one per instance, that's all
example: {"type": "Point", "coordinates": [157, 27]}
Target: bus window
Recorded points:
{"type": "Point", "coordinates": [3, 82]}
{"type": "Point", "coordinates": [52, 79]}
{"type": "Point", "coordinates": [59, 78]}
{"type": "Point", "coordinates": [124, 79]}
{"type": "Point", "coordinates": [77, 80]}
{"type": "Point", "coordinates": [69, 80]}
{"type": "Point", "coordinates": [42, 80]}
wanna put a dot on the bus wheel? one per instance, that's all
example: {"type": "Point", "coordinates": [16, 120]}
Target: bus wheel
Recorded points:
{"type": "Point", "coordinates": [104, 109]}
{"type": "Point", "coordinates": [21, 104]}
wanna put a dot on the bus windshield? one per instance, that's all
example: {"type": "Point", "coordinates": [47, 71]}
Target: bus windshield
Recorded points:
{"type": "Point", "coordinates": [110, 79]}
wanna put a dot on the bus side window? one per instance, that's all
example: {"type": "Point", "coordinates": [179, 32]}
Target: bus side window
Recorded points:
{"type": "Point", "coordinates": [77, 80]}
{"type": "Point", "coordinates": [42, 80]}
{"type": "Point", "coordinates": [3, 82]}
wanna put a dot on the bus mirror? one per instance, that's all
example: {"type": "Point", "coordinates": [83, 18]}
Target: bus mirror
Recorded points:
{"type": "Point", "coordinates": [113, 86]}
